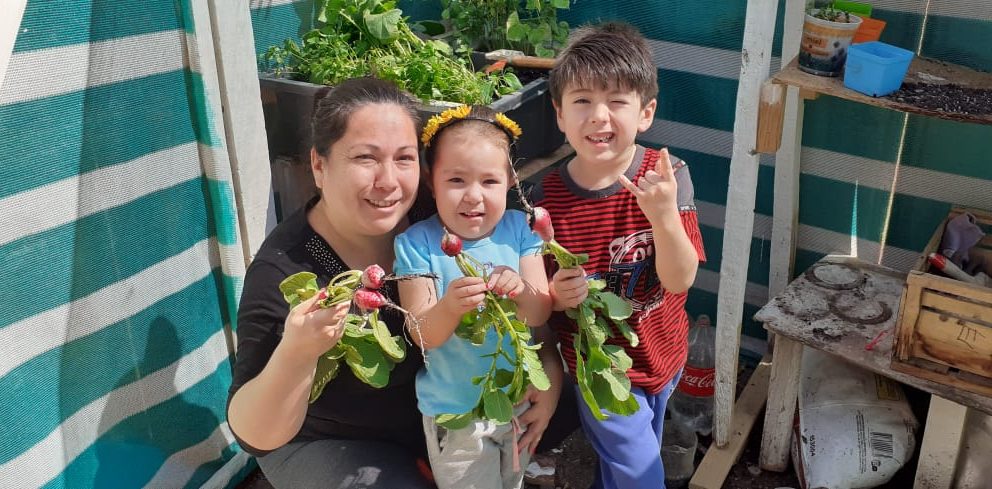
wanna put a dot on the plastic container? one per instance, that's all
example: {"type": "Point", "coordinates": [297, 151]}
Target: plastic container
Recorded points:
{"type": "Point", "coordinates": [876, 68]}
{"type": "Point", "coordinates": [678, 453]}
{"type": "Point", "coordinates": [824, 44]}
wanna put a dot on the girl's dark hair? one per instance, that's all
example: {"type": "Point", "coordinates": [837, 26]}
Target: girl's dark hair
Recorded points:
{"type": "Point", "coordinates": [335, 106]}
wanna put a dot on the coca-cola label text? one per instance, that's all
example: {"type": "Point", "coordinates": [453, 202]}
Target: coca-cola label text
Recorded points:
{"type": "Point", "coordinates": [698, 382]}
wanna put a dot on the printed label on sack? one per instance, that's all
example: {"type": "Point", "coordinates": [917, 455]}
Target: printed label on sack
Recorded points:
{"type": "Point", "coordinates": [698, 382]}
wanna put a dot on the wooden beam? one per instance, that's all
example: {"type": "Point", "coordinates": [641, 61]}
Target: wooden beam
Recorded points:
{"type": "Point", "coordinates": [715, 466]}
{"type": "Point", "coordinates": [782, 390]}
{"type": "Point", "coordinates": [756, 58]}
{"type": "Point", "coordinates": [941, 444]}
{"type": "Point", "coordinates": [785, 216]}
{"type": "Point", "coordinates": [244, 124]}
{"type": "Point", "coordinates": [771, 111]}
{"type": "Point", "coordinates": [10, 24]}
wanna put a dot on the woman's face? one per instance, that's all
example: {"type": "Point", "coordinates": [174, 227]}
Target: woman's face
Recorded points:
{"type": "Point", "coordinates": [369, 179]}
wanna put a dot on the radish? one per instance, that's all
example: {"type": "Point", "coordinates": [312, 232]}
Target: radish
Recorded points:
{"type": "Point", "coordinates": [369, 300]}
{"type": "Point", "coordinates": [373, 276]}
{"type": "Point", "coordinates": [540, 223]}
{"type": "Point", "coordinates": [451, 245]}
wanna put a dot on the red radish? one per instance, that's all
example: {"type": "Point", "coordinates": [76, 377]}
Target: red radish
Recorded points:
{"type": "Point", "coordinates": [372, 277]}
{"type": "Point", "coordinates": [368, 299]}
{"type": "Point", "coordinates": [451, 245]}
{"type": "Point", "coordinates": [322, 295]}
{"type": "Point", "coordinates": [540, 223]}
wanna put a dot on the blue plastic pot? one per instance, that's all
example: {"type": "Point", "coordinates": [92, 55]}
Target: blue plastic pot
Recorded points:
{"type": "Point", "coordinates": [876, 68]}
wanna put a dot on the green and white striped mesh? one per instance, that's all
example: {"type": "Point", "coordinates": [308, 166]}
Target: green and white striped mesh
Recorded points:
{"type": "Point", "coordinates": [874, 183]}
{"type": "Point", "coordinates": [121, 256]}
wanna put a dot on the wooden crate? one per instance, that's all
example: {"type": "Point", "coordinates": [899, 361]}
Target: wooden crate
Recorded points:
{"type": "Point", "coordinates": [944, 328]}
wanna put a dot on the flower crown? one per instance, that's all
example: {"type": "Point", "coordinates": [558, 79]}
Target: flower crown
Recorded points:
{"type": "Point", "coordinates": [464, 112]}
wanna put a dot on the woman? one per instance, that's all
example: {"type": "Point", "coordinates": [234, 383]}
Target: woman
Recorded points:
{"type": "Point", "coordinates": [365, 164]}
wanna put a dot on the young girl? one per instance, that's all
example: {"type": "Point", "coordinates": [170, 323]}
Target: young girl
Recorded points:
{"type": "Point", "coordinates": [467, 158]}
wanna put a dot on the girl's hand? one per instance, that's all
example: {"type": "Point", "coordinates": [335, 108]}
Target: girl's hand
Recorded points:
{"type": "Point", "coordinates": [505, 281]}
{"type": "Point", "coordinates": [569, 288]}
{"type": "Point", "coordinates": [464, 294]}
{"type": "Point", "coordinates": [311, 331]}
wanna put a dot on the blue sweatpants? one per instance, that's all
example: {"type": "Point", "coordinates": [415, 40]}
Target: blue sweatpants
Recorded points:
{"type": "Point", "coordinates": [629, 447]}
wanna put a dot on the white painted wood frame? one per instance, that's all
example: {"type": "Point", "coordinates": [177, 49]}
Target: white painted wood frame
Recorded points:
{"type": "Point", "coordinates": [941, 444]}
{"type": "Point", "coordinates": [787, 169]}
{"type": "Point", "coordinates": [756, 56]}
{"type": "Point", "coordinates": [10, 24]}
{"type": "Point", "coordinates": [244, 123]}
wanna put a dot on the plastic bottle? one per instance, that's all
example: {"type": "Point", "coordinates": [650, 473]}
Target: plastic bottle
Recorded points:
{"type": "Point", "coordinates": [678, 453]}
{"type": "Point", "coordinates": [692, 401]}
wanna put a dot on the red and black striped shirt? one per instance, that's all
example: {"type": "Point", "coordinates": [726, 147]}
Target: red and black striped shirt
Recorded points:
{"type": "Point", "coordinates": [609, 226]}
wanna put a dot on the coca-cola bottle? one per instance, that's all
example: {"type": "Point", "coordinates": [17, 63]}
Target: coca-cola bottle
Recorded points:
{"type": "Point", "coordinates": [692, 401]}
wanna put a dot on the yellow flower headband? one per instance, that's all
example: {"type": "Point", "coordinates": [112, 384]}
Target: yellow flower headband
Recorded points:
{"type": "Point", "coordinates": [464, 112]}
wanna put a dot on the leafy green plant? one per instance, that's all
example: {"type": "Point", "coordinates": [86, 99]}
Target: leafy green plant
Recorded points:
{"type": "Point", "coordinates": [830, 13]}
{"type": "Point", "coordinates": [600, 368]}
{"type": "Point", "coordinates": [531, 26]}
{"type": "Point", "coordinates": [501, 388]}
{"type": "Point", "coordinates": [362, 37]}
{"type": "Point", "coordinates": [367, 346]}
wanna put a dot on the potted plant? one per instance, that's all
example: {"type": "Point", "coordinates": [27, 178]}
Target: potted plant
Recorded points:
{"type": "Point", "coordinates": [514, 31]}
{"type": "Point", "coordinates": [827, 33]}
{"type": "Point", "coordinates": [362, 37]}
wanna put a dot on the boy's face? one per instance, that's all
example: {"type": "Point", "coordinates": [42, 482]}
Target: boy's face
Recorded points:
{"type": "Point", "coordinates": [470, 179]}
{"type": "Point", "coordinates": [601, 124]}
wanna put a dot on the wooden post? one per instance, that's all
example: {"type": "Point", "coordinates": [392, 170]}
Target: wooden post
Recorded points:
{"type": "Point", "coordinates": [244, 124]}
{"type": "Point", "coordinates": [10, 24]}
{"type": "Point", "coordinates": [941, 444]}
{"type": "Point", "coordinates": [787, 168]}
{"type": "Point", "coordinates": [739, 222]}
{"type": "Point", "coordinates": [781, 407]}
{"type": "Point", "coordinates": [771, 111]}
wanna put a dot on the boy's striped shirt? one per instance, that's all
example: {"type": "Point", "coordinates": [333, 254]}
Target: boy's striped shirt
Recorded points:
{"type": "Point", "coordinates": [609, 226]}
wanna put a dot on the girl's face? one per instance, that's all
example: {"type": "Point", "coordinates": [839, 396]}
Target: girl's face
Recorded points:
{"type": "Point", "coordinates": [470, 178]}
{"type": "Point", "coordinates": [369, 179]}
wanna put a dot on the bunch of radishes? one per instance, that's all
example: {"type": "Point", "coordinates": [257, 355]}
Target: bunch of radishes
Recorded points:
{"type": "Point", "coordinates": [600, 368]}
{"type": "Point", "coordinates": [367, 345]}
{"type": "Point", "coordinates": [501, 389]}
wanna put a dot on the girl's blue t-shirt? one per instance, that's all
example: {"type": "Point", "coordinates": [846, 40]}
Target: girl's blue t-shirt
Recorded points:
{"type": "Point", "coordinates": [444, 385]}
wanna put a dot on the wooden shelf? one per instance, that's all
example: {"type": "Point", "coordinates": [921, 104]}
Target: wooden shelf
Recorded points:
{"type": "Point", "coordinates": [922, 70]}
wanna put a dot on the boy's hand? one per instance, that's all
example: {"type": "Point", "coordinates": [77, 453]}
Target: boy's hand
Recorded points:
{"type": "Point", "coordinates": [570, 288]}
{"type": "Point", "coordinates": [505, 281]}
{"type": "Point", "coordinates": [464, 294]}
{"type": "Point", "coordinates": [656, 191]}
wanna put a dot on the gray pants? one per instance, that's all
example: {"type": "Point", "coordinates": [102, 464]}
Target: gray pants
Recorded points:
{"type": "Point", "coordinates": [342, 464]}
{"type": "Point", "coordinates": [479, 456]}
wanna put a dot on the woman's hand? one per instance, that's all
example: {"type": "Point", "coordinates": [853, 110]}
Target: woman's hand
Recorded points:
{"type": "Point", "coordinates": [311, 331]}
{"type": "Point", "coordinates": [506, 282]}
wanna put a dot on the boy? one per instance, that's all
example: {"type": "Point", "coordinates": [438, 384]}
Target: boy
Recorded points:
{"type": "Point", "coordinates": [624, 205]}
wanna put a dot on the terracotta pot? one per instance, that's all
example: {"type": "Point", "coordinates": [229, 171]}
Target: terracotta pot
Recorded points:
{"type": "Point", "coordinates": [823, 49]}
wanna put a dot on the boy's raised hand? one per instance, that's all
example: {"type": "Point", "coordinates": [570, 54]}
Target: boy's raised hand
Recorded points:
{"type": "Point", "coordinates": [656, 191]}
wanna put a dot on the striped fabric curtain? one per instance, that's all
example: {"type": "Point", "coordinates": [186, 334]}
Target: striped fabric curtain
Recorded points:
{"type": "Point", "coordinates": [120, 255]}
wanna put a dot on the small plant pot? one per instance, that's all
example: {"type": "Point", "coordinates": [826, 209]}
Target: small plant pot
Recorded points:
{"type": "Point", "coordinates": [823, 50]}
{"type": "Point", "coordinates": [876, 68]}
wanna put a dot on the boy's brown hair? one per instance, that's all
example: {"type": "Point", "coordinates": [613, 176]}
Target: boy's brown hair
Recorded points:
{"type": "Point", "coordinates": [605, 56]}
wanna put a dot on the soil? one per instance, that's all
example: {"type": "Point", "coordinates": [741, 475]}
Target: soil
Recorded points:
{"type": "Point", "coordinates": [945, 98]}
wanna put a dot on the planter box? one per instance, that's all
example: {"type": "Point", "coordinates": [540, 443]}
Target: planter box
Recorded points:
{"type": "Point", "coordinates": [288, 105]}
{"type": "Point", "coordinates": [944, 328]}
